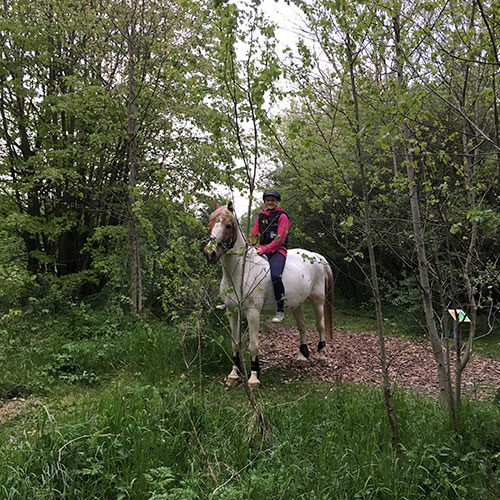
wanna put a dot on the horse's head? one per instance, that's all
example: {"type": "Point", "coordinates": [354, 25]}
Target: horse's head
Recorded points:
{"type": "Point", "coordinates": [223, 232]}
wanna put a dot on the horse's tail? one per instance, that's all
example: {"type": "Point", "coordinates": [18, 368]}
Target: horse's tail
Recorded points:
{"type": "Point", "coordinates": [328, 304]}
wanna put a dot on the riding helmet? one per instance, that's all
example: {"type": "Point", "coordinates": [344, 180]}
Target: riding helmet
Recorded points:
{"type": "Point", "coordinates": [272, 193]}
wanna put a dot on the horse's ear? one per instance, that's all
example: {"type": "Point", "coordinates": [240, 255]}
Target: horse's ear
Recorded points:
{"type": "Point", "coordinates": [216, 205]}
{"type": "Point", "coordinates": [230, 206]}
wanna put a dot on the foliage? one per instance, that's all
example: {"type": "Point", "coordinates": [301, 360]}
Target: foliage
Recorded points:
{"type": "Point", "coordinates": [179, 279]}
{"type": "Point", "coordinates": [15, 278]}
{"type": "Point", "coordinates": [316, 141]}
{"type": "Point", "coordinates": [129, 402]}
{"type": "Point", "coordinates": [64, 161]}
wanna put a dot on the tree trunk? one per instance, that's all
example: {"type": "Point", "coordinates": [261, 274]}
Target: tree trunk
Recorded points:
{"type": "Point", "coordinates": [135, 261]}
{"type": "Point", "coordinates": [445, 388]}
{"type": "Point", "coordinates": [391, 414]}
{"type": "Point", "coordinates": [461, 362]}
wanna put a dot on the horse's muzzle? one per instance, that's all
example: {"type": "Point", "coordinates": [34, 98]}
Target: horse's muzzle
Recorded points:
{"type": "Point", "coordinates": [212, 256]}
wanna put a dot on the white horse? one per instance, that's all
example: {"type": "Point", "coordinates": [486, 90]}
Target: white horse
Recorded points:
{"type": "Point", "coordinates": [307, 275]}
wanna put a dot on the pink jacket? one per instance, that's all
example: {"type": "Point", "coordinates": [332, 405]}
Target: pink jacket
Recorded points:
{"type": "Point", "coordinates": [277, 244]}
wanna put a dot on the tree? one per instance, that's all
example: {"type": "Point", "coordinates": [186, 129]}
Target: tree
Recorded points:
{"type": "Point", "coordinates": [331, 96]}
{"type": "Point", "coordinates": [246, 86]}
{"type": "Point", "coordinates": [49, 102]}
{"type": "Point", "coordinates": [460, 62]}
{"type": "Point", "coordinates": [72, 135]}
{"type": "Point", "coordinates": [424, 105]}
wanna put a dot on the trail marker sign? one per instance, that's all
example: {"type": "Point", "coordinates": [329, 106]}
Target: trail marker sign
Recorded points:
{"type": "Point", "coordinates": [459, 315]}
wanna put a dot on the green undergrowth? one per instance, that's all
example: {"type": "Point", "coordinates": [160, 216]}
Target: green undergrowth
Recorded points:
{"type": "Point", "coordinates": [137, 408]}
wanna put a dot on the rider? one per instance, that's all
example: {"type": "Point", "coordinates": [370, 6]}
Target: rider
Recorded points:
{"type": "Point", "coordinates": [270, 236]}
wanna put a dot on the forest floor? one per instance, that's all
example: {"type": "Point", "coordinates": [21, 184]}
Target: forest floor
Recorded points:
{"type": "Point", "coordinates": [351, 357]}
{"type": "Point", "coordinates": [15, 406]}
{"type": "Point", "coordinates": [354, 357]}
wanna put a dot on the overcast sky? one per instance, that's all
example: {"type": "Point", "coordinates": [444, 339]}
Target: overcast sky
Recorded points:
{"type": "Point", "coordinates": [288, 21]}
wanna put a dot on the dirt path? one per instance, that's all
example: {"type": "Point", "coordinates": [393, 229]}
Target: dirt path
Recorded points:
{"type": "Point", "coordinates": [353, 357]}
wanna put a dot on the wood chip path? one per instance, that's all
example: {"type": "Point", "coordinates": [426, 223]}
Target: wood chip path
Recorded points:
{"type": "Point", "coordinates": [354, 357]}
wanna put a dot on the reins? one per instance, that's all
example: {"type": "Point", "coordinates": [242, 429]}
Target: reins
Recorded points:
{"type": "Point", "coordinates": [225, 245]}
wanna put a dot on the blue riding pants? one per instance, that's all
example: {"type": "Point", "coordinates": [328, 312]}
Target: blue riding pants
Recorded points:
{"type": "Point", "coordinates": [277, 264]}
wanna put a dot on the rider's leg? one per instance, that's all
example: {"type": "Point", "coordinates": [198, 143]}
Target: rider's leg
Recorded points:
{"type": "Point", "coordinates": [277, 264]}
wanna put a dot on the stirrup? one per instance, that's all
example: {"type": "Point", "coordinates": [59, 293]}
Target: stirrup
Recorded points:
{"type": "Point", "coordinates": [280, 316]}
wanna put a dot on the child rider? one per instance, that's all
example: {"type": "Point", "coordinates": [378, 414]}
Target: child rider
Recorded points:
{"type": "Point", "coordinates": [271, 230]}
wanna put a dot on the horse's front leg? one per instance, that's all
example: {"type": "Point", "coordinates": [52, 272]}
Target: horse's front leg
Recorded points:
{"type": "Point", "coordinates": [234, 377]}
{"type": "Point", "coordinates": [253, 318]}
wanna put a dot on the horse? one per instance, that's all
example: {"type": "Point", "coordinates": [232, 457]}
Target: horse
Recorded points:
{"type": "Point", "coordinates": [246, 287]}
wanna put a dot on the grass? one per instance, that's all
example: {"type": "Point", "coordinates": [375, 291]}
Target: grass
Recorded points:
{"type": "Point", "coordinates": [344, 317]}
{"type": "Point", "coordinates": [144, 425]}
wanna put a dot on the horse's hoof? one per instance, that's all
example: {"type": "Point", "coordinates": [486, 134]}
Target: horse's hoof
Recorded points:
{"type": "Point", "coordinates": [233, 378]}
{"type": "Point", "coordinates": [301, 358]}
{"type": "Point", "coordinates": [232, 381]}
{"type": "Point", "coordinates": [321, 356]}
{"type": "Point", "coordinates": [253, 381]}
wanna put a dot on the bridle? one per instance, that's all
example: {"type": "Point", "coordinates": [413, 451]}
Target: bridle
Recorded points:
{"type": "Point", "coordinates": [226, 245]}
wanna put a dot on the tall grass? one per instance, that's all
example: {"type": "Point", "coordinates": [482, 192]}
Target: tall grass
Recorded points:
{"type": "Point", "coordinates": [146, 426]}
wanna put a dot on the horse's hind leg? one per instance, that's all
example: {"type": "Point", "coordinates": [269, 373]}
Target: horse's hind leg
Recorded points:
{"type": "Point", "coordinates": [319, 312]}
{"type": "Point", "coordinates": [298, 314]}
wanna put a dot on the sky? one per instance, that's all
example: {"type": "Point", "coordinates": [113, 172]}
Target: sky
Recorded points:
{"type": "Point", "coordinates": [287, 19]}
